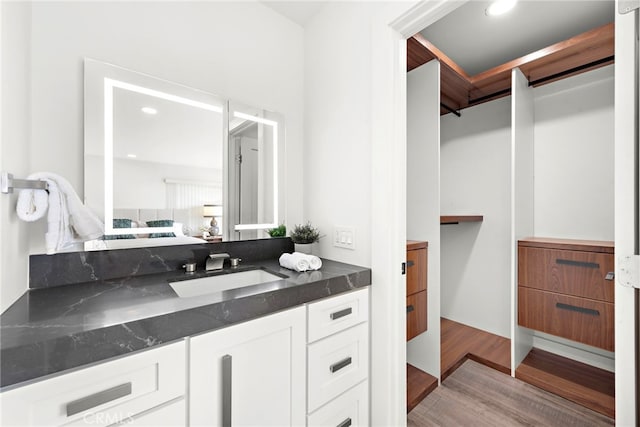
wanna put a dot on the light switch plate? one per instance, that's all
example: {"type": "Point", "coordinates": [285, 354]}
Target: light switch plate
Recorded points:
{"type": "Point", "coordinates": [344, 237]}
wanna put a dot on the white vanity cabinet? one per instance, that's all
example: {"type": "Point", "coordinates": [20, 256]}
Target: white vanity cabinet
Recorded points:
{"type": "Point", "coordinates": [250, 374]}
{"type": "Point", "coordinates": [338, 360]}
{"type": "Point", "coordinates": [146, 388]}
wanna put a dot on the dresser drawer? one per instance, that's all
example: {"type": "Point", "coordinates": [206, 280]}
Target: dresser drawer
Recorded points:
{"type": "Point", "coordinates": [416, 314]}
{"type": "Point", "coordinates": [579, 319]}
{"type": "Point", "coordinates": [577, 273]}
{"type": "Point", "coordinates": [336, 364]}
{"type": "Point", "coordinates": [348, 409]}
{"type": "Point", "coordinates": [104, 394]}
{"type": "Point", "coordinates": [336, 314]}
{"type": "Point", "coordinates": [416, 270]}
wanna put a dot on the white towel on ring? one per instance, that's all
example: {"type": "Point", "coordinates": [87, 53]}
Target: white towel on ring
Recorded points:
{"type": "Point", "coordinates": [69, 220]}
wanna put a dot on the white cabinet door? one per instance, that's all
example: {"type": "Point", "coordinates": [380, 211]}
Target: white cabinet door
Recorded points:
{"type": "Point", "coordinates": [250, 374]}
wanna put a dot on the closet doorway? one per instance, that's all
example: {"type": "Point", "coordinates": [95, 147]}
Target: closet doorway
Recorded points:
{"type": "Point", "coordinates": [513, 145]}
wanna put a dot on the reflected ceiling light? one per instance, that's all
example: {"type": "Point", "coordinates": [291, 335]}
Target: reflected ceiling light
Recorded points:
{"type": "Point", "coordinates": [499, 7]}
{"type": "Point", "coordinates": [131, 156]}
{"type": "Point", "coordinates": [149, 110]}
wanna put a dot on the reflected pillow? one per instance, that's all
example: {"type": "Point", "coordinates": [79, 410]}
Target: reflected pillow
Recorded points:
{"type": "Point", "coordinates": [161, 223]}
{"type": "Point", "coordinates": [120, 223]}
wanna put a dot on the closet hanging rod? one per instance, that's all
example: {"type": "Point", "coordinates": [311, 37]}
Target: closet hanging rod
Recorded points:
{"type": "Point", "coordinates": [8, 183]}
{"type": "Point", "coordinates": [572, 70]}
{"type": "Point", "coordinates": [449, 109]}
{"type": "Point", "coordinates": [490, 96]}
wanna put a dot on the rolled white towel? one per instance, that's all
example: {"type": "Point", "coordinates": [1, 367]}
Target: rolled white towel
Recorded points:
{"type": "Point", "coordinates": [294, 262]}
{"type": "Point", "coordinates": [315, 263]}
{"type": "Point", "coordinates": [32, 204]}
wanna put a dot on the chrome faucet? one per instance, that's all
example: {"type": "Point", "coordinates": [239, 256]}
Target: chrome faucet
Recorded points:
{"type": "Point", "coordinates": [216, 261]}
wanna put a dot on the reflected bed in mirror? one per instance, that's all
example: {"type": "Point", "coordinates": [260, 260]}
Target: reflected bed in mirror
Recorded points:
{"type": "Point", "coordinates": [157, 153]}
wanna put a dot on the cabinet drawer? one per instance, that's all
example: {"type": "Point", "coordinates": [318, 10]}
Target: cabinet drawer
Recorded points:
{"type": "Point", "coordinates": [348, 409]}
{"type": "Point", "coordinates": [579, 319]}
{"type": "Point", "coordinates": [416, 314]}
{"type": "Point", "coordinates": [336, 364]}
{"type": "Point", "coordinates": [100, 395]}
{"type": "Point", "coordinates": [416, 270]}
{"type": "Point", "coordinates": [568, 272]}
{"type": "Point", "coordinates": [335, 314]}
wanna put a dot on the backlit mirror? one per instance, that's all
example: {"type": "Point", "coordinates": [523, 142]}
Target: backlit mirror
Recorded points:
{"type": "Point", "coordinates": [167, 164]}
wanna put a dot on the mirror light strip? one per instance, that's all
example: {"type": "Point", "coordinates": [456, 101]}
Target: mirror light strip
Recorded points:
{"type": "Point", "coordinates": [274, 126]}
{"type": "Point", "coordinates": [109, 85]}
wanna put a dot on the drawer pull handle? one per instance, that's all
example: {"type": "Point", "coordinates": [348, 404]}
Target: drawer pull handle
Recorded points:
{"type": "Point", "coordinates": [345, 423]}
{"type": "Point", "coordinates": [577, 263]}
{"type": "Point", "coordinates": [226, 390]}
{"type": "Point", "coordinates": [410, 309]}
{"type": "Point", "coordinates": [341, 313]}
{"type": "Point", "coordinates": [97, 399]}
{"type": "Point", "coordinates": [582, 310]}
{"type": "Point", "coordinates": [341, 364]}
{"type": "Point", "coordinates": [410, 263]}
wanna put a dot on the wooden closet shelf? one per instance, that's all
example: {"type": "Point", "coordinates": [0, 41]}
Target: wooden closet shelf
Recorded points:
{"type": "Point", "coordinates": [455, 219]}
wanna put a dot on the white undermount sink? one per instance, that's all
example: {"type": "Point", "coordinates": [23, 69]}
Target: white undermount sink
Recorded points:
{"type": "Point", "coordinates": [222, 282]}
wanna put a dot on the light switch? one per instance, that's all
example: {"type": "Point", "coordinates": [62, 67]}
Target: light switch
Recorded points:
{"type": "Point", "coordinates": [344, 237]}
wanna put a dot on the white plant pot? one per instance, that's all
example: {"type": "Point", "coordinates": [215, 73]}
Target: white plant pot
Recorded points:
{"type": "Point", "coordinates": [305, 248]}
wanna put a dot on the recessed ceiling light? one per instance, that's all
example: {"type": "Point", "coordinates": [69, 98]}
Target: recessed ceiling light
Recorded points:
{"type": "Point", "coordinates": [499, 7]}
{"type": "Point", "coordinates": [149, 110]}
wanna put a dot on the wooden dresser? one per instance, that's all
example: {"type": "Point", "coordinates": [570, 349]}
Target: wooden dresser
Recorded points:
{"type": "Point", "coordinates": [566, 287]}
{"type": "Point", "coordinates": [416, 288]}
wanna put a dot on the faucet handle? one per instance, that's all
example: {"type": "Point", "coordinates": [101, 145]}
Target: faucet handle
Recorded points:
{"type": "Point", "coordinates": [219, 256]}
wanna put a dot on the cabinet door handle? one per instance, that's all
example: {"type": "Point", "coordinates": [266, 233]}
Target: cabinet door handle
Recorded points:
{"type": "Point", "coordinates": [226, 390]}
{"type": "Point", "coordinates": [410, 309]}
{"type": "Point", "coordinates": [582, 310]}
{"type": "Point", "coordinates": [341, 313]}
{"type": "Point", "coordinates": [345, 423]}
{"type": "Point", "coordinates": [339, 365]}
{"type": "Point", "coordinates": [410, 263]}
{"type": "Point", "coordinates": [577, 263]}
{"type": "Point", "coordinates": [97, 399]}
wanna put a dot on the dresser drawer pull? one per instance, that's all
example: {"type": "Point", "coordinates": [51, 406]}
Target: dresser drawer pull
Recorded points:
{"type": "Point", "coordinates": [410, 308]}
{"type": "Point", "coordinates": [97, 399]}
{"type": "Point", "coordinates": [577, 263]}
{"type": "Point", "coordinates": [341, 364]}
{"type": "Point", "coordinates": [410, 263]}
{"type": "Point", "coordinates": [345, 423]}
{"type": "Point", "coordinates": [341, 313]}
{"type": "Point", "coordinates": [577, 309]}
{"type": "Point", "coordinates": [226, 390]}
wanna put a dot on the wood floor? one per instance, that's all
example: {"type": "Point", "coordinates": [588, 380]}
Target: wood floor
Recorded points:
{"type": "Point", "coordinates": [459, 342]}
{"type": "Point", "coordinates": [587, 385]}
{"type": "Point", "coordinates": [476, 395]}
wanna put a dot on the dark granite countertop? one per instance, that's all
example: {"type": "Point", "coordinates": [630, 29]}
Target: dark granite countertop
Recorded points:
{"type": "Point", "coordinates": [50, 330]}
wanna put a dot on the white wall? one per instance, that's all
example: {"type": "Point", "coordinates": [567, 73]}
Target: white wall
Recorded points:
{"type": "Point", "coordinates": [240, 50]}
{"type": "Point", "coordinates": [337, 167]}
{"type": "Point", "coordinates": [423, 201]}
{"type": "Point", "coordinates": [574, 157]}
{"type": "Point", "coordinates": [475, 173]}
{"type": "Point", "coordinates": [14, 145]}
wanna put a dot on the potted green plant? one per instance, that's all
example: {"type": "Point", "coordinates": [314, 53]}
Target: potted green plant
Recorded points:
{"type": "Point", "coordinates": [279, 231]}
{"type": "Point", "coordinates": [304, 236]}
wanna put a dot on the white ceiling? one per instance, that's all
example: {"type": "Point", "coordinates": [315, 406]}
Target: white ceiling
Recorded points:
{"type": "Point", "coordinates": [298, 11]}
{"type": "Point", "coordinates": [477, 42]}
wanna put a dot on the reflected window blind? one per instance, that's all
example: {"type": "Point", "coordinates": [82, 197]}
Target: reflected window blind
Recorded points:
{"type": "Point", "coordinates": [183, 194]}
